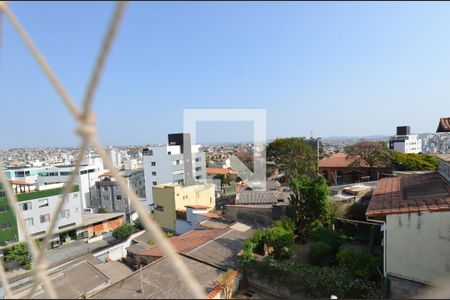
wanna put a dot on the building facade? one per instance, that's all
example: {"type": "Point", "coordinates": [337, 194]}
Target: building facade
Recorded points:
{"type": "Point", "coordinates": [405, 142]}
{"type": "Point", "coordinates": [37, 208]}
{"type": "Point", "coordinates": [178, 162]}
{"type": "Point", "coordinates": [110, 197]}
{"type": "Point", "coordinates": [170, 199]}
{"type": "Point", "coordinates": [85, 179]}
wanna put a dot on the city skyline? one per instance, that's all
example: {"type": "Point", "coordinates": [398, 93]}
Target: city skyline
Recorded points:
{"type": "Point", "coordinates": [377, 61]}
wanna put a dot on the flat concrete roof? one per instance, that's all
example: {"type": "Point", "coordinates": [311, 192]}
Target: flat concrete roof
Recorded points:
{"type": "Point", "coordinates": [90, 219]}
{"type": "Point", "coordinates": [160, 281]}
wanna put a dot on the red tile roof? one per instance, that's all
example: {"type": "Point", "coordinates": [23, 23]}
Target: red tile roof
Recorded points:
{"type": "Point", "coordinates": [19, 182]}
{"type": "Point", "coordinates": [338, 160]}
{"type": "Point", "coordinates": [444, 125]}
{"type": "Point", "coordinates": [106, 174]}
{"type": "Point", "coordinates": [187, 241]}
{"type": "Point", "coordinates": [219, 171]}
{"type": "Point", "coordinates": [409, 194]}
{"type": "Point", "coordinates": [197, 206]}
{"type": "Point", "coordinates": [209, 215]}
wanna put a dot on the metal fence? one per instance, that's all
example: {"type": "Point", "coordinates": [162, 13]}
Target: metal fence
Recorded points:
{"type": "Point", "coordinates": [85, 119]}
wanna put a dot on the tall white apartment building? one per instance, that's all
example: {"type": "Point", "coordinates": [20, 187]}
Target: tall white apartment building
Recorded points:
{"type": "Point", "coordinates": [178, 162]}
{"type": "Point", "coordinates": [404, 142]}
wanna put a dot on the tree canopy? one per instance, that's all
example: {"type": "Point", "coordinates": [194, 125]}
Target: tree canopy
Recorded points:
{"type": "Point", "coordinates": [308, 203]}
{"type": "Point", "coordinates": [413, 162]}
{"type": "Point", "coordinates": [372, 153]}
{"type": "Point", "coordinates": [294, 156]}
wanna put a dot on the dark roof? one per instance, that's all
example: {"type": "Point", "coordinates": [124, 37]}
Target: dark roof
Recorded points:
{"type": "Point", "coordinates": [159, 280]}
{"type": "Point", "coordinates": [444, 125]}
{"type": "Point", "coordinates": [222, 251]}
{"type": "Point", "coordinates": [260, 197]}
{"type": "Point", "coordinates": [138, 247]}
{"type": "Point", "coordinates": [214, 223]}
{"type": "Point", "coordinates": [186, 241]}
{"type": "Point", "coordinates": [409, 194]}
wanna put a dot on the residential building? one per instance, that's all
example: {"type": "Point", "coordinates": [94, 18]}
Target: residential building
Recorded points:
{"type": "Point", "coordinates": [192, 218]}
{"type": "Point", "coordinates": [115, 156]}
{"type": "Point", "coordinates": [37, 208]}
{"type": "Point", "coordinates": [85, 179]}
{"type": "Point", "coordinates": [206, 254]}
{"type": "Point", "coordinates": [170, 198]}
{"type": "Point", "coordinates": [28, 175]}
{"type": "Point", "coordinates": [110, 197]}
{"type": "Point", "coordinates": [100, 224]}
{"type": "Point", "coordinates": [415, 212]}
{"type": "Point", "coordinates": [340, 169]}
{"type": "Point", "coordinates": [178, 162]}
{"type": "Point", "coordinates": [405, 142]}
{"type": "Point", "coordinates": [259, 208]}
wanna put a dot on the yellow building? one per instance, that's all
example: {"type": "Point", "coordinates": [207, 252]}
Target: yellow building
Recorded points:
{"type": "Point", "coordinates": [170, 198]}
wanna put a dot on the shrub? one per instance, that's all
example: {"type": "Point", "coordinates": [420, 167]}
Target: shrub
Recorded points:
{"type": "Point", "coordinates": [319, 252]}
{"type": "Point", "coordinates": [313, 281]}
{"type": "Point", "coordinates": [360, 264]}
{"type": "Point", "coordinates": [286, 224]}
{"type": "Point", "coordinates": [278, 238]}
{"type": "Point", "coordinates": [324, 234]}
{"type": "Point", "coordinates": [123, 232]}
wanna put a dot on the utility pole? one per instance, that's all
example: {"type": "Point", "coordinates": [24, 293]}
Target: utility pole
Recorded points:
{"type": "Point", "coordinates": [318, 155]}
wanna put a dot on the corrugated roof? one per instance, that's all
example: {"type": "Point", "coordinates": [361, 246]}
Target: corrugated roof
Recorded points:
{"type": "Point", "coordinates": [260, 197]}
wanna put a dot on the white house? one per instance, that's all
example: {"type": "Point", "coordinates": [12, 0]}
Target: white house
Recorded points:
{"type": "Point", "coordinates": [415, 212]}
{"type": "Point", "coordinates": [174, 163]}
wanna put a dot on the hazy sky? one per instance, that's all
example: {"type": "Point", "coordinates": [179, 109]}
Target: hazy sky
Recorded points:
{"type": "Point", "coordinates": [333, 68]}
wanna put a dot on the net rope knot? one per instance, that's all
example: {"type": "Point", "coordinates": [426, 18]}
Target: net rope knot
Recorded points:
{"type": "Point", "coordinates": [86, 126]}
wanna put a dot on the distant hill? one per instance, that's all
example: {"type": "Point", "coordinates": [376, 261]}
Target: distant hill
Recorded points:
{"type": "Point", "coordinates": [352, 138]}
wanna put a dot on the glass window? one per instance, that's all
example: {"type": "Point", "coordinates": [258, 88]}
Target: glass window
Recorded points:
{"type": "Point", "coordinates": [45, 218]}
{"type": "Point", "coordinates": [65, 213]}
{"type": "Point", "coordinates": [155, 183]}
{"type": "Point", "coordinates": [106, 197]}
{"type": "Point", "coordinates": [154, 173]}
{"type": "Point", "coordinates": [29, 222]}
{"type": "Point", "coordinates": [25, 206]}
{"type": "Point", "coordinates": [153, 163]}
{"type": "Point", "coordinates": [43, 203]}
{"type": "Point", "coordinates": [119, 197]}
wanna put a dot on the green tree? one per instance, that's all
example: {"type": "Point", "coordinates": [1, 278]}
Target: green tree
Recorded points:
{"type": "Point", "coordinates": [371, 153]}
{"type": "Point", "coordinates": [294, 156]}
{"type": "Point", "coordinates": [123, 232]}
{"type": "Point", "coordinates": [308, 204]}
{"type": "Point", "coordinates": [413, 162]}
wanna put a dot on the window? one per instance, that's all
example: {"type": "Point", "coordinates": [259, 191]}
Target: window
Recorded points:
{"type": "Point", "coordinates": [105, 197]}
{"type": "Point", "coordinates": [5, 226]}
{"type": "Point", "coordinates": [75, 196]}
{"type": "Point", "coordinates": [29, 222]}
{"type": "Point", "coordinates": [155, 183]}
{"type": "Point", "coordinates": [83, 172]}
{"type": "Point", "coordinates": [65, 173]}
{"type": "Point", "coordinates": [65, 213]}
{"type": "Point", "coordinates": [198, 169]}
{"type": "Point", "coordinates": [45, 218]}
{"type": "Point", "coordinates": [154, 173]}
{"type": "Point", "coordinates": [198, 177]}
{"type": "Point", "coordinates": [153, 163]}
{"type": "Point", "coordinates": [198, 159]}
{"type": "Point", "coordinates": [168, 152]}
{"type": "Point", "coordinates": [43, 203]}
{"type": "Point", "coordinates": [105, 188]}
{"type": "Point", "coordinates": [119, 197]}
{"type": "Point", "coordinates": [25, 206]}
{"type": "Point", "coordinates": [159, 208]}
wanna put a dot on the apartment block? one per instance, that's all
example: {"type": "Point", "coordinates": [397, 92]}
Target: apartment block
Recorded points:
{"type": "Point", "coordinates": [37, 209]}
{"type": "Point", "coordinates": [178, 162]}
